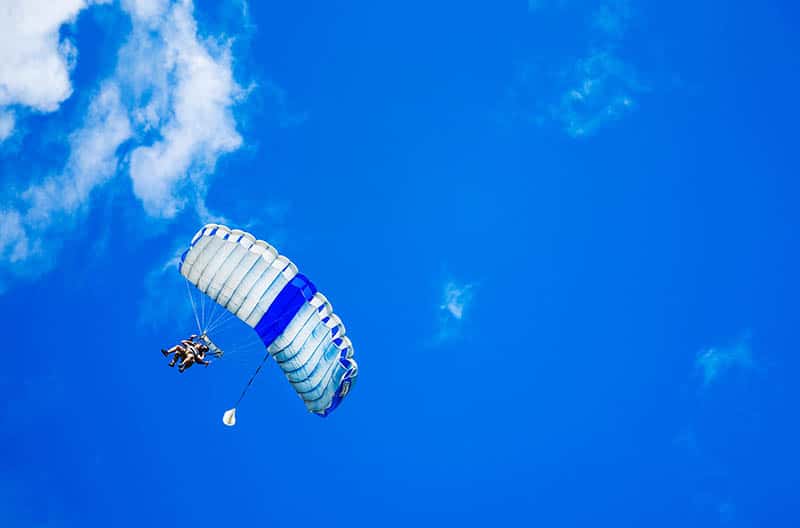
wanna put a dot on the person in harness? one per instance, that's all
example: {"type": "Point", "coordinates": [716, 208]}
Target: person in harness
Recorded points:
{"type": "Point", "coordinates": [180, 350]}
{"type": "Point", "coordinates": [187, 352]}
{"type": "Point", "coordinates": [192, 350]}
{"type": "Point", "coordinates": [195, 354]}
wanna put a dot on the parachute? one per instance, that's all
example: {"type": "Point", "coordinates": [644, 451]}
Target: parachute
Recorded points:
{"type": "Point", "coordinates": [296, 323]}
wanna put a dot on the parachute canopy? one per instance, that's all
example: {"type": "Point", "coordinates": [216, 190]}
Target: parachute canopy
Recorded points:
{"type": "Point", "coordinates": [295, 322]}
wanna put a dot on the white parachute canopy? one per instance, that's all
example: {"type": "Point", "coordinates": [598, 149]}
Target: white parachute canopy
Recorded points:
{"type": "Point", "coordinates": [229, 418]}
{"type": "Point", "coordinates": [295, 322]}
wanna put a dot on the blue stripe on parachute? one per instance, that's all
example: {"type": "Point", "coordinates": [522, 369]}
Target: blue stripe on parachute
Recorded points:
{"type": "Point", "coordinates": [284, 308]}
{"type": "Point", "coordinates": [281, 312]}
{"type": "Point", "coordinates": [183, 257]}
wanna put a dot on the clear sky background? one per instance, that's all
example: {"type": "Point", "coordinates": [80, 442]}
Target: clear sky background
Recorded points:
{"type": "Point", "coordinates": [561, 235]}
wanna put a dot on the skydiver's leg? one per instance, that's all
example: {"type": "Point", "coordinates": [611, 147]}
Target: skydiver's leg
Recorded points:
{"type": "Point", "coordinates": [187, 358]}
{"type": "Point", "coordinates": [180, 353]}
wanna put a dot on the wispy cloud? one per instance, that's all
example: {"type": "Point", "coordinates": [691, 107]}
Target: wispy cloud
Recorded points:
{"type": "Point", "coordinates": [602, 89]}
{"type": "Point", "coordinates": [456, 298]}
{"type": "Point", "coordinates": [14, 244]}
{"type": "Point", "coordinates": [456, 301]}
{"type": "Point", "coordinates": [164, 117]}
{"type": "Point", "coordinates": [727, 400]}
{"type": "Point", "coordinates": [164, 300]}
{"type": "Point", "coordinates": [35, 62]}
{"type": "Point", "coordinates": [716, 363]}
{"type": "Point", "coordinates": [52, 203]}
{"type": "Point", "coordinates": [594, 89]}
{"type": "Point", "coordinates": [184, 89]}
{"type": "Point", "coordinates": [92, 160]}
{"type": "Point", "coordinates": [6, 124]}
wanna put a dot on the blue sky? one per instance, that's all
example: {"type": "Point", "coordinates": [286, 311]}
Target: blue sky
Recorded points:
{"type": "Point", "coordinates": [560, 235]}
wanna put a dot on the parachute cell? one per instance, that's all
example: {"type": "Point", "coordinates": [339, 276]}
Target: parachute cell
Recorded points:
{"type": "Point", "coordinates": [296, 323]}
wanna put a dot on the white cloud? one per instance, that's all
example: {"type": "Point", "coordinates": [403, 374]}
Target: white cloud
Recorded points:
{"type": "Point", "coordinates": [456, 301]}
{"type": "Point", "coordinates": [145, 10]}
{"type": "Point", "coordinates": [190, 82]}
{"type": "Point", "coordinates": [165, 115]}
{"type": "Point", "coordinates": [92, 159]}
{"type": "Point", "coordinates": [14, 244]}
{"type": "Point", "coordinates": [596, 89]}
{"type": "Point", "coordinates": [34, 61]}
{"type": "Point", "coordinates": [717, 362]}
{"type": "Point", "coordinates": [603, 89]}
{"type": "Point", "coordinates": [601, 86]}
{"type": "Point", "coordinates": [6, 124]}
{"type": "Point", "coordinates": [53, 201]}
{"type": "Point", "coordinates": [456, 298]}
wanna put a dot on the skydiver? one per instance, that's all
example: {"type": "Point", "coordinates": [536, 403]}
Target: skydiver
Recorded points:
{"type": "Point", "coordinates": [180, 350]}
{"type": "Point", "coordinates": [196, 354]}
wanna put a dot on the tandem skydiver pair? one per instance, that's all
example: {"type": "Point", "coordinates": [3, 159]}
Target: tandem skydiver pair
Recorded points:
{"type": "Point", "coordinates": [187, 353]}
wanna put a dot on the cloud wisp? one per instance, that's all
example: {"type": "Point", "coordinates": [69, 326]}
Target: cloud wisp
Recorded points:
{"type": "Point", "coordinates": [164, 117]}
{"type": "Point", "coordinates": [728, 397]}
{"type": "Point", "coordinates": [456, 301]}
{"type": "Point", "coordinates": [7, 122]}
{"type": "Point", "coordinates": [48, 206]}
{"type": "Point", "coordinates": [164, 299]}
{"type": "Point", "coordinates": [716, 363]}
{"type": "Point", "coordinates": [35, 62]}
{"type": "Point", "coordinates": [184, 89]}
{"type": "Point", "coordinates": [602, 89]}
{"type": "Point", "coordinates": [595, 89]}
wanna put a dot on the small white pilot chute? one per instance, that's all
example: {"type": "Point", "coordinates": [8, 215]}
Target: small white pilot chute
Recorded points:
{"type": "Point", "coordinates": [229, 418]}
